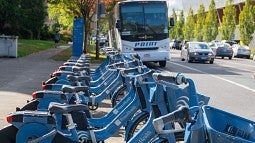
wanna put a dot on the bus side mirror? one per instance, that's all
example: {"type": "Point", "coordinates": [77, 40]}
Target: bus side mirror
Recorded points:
{"type": "Point", "coordinates": [171, 24]}
{"type": "Point", "coordinates": [118, 25]}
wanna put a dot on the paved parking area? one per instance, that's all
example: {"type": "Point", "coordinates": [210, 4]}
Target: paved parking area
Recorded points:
{"type": "Point", "coordinates": [20, 77]}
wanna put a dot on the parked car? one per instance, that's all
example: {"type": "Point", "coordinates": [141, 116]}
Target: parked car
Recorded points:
{"type": "Point", "coordinates": [214, 45]}
{"type": "Point", "coordinates": [176, 45]}
{"type": "Point", "coordinates": [230, 42]}
{"type": "Point", "coordinates": [241, 51]}
{"type": "Point", "coordinates": [183, 43]}
{"type": "Point", "coordinates": [224, 50]}
{"type": "Point", "coordinates": [102, 42]}
{"type": "Point", "coordinates": [197, 51]}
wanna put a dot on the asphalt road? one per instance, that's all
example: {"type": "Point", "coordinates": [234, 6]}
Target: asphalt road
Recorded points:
{"type": "Point", "coordinates": [229, 83]}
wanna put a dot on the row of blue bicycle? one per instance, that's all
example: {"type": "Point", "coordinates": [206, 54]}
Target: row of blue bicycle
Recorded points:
{"type": "Point", "coordinates": [152, 107]}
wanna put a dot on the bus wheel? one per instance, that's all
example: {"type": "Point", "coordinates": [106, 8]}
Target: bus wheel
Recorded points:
{"type": "Point", "coordinates": [162, 64]}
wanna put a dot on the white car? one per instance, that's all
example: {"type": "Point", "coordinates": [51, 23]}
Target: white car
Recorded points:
{"type": "Point", "coordinates": [241, 51]}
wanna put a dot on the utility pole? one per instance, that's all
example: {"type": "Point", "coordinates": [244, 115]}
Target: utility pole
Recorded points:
{"type": "Point", "coordinates": [97, 29]}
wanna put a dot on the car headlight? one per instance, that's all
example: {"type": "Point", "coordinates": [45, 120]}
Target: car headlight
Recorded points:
{"type": "Point", "coordinates": [210, 54]}
{"type": "Point", "coordinates": [194, 53]}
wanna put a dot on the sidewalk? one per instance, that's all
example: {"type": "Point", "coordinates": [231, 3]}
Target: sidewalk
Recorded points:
{"type": "Point", "coordinates": [21, 77]}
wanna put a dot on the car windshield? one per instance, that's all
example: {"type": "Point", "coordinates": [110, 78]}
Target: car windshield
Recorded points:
{"type": "Point", "coordinates": [198, 46]}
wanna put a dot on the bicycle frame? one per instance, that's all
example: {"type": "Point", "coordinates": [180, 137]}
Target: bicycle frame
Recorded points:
{"type": "Point", "coordinates": [166, 97]}
{"type": "Point", "coordinates": [120, 120]}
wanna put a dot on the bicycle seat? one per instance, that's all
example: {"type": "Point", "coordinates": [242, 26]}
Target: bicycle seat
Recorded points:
{"type": "Point", "coordinates": [76, 68]}
{"type": "Point", "coordinates": [59, 108]}
{"type": "Point", "coordinates": [78, 78]}
{"type": "Point", "coordinates": [61, 73]}
{"type": "Point", "coordinates": [74, 89]}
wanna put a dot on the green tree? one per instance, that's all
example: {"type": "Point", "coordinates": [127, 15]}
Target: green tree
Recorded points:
{"type": "Point", "coordinates": [8, 16]}
{"type": "Point", "coordinates": [173, 29]}
{"type": "Point", "coordinates": [210, 29]}
{"type": "Point", "coordinates": [31, 18]}
{"type": "Point", "coordinates": [228, 24]}
{"type": "Point", "coordinates": [200, 23]}
{"type": "Point", "coordinates": [246, 23]}
{"type": "Point", "coordinates": [188, 29]}
{"type": "Point", "coordinates": [179, 26]}
{"type": "Point", "coordinates": [65, 11]}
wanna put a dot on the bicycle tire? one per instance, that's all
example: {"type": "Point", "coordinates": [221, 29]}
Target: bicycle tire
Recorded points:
{"type": "Point", "coordinates": [134, 128]}
{"type": "Point", "coordinates": [118, 96]}
{"type": "Point", "coordinates": [179, 136]}
{"type": "Point", "coordinates": [8, 134]}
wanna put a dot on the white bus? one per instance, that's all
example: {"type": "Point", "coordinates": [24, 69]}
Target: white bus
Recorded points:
{"type": "Point", "coordinates": [141, 26]}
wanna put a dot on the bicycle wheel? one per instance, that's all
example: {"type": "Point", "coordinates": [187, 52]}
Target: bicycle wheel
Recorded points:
{"type": "Point", "coordinates": [118, 95]}
{"type": "Point", "coordinates": [138, 124]}
{"type": "Point", "coordinates": [179, 136]}
{"type": "Point", "coordinates": [8, 134]}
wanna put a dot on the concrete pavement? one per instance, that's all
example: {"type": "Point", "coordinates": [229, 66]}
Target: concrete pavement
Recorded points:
{"type": "Point", "coordinates": [20, 77]}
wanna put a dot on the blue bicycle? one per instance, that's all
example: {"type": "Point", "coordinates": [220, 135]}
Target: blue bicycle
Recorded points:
{"type": "Point", "coordinates": [64, 116]}
{"type": "Point", "coordinates": [208, 124]}
{"type": "Point", "coordinates": [170, 93]}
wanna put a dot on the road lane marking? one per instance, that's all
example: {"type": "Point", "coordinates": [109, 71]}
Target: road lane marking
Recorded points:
{"type": "Point", "coordinates": [246, 65]}
{"type": "Point", "coordinates": [232, 82]}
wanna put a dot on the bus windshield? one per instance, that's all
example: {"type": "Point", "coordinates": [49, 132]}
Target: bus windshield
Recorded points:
{"type": "Point", "coordinates": [140, 19]}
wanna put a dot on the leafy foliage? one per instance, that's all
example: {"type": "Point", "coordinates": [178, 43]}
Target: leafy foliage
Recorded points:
{"type": "Point", "coordinates": [200, 23]}
{"type": "Point", "coordinates": [210, 29]}
{"type": "Point", "coordinates": [188, 29]}
{"type": "Point", "coordinates": [24, 18]}
{"type": "Point", "coordinates": [176, 32]}
{"type": "Point", "coordinates": [228, 24]}
{"type": "Point", "coordinates": [246, 23]}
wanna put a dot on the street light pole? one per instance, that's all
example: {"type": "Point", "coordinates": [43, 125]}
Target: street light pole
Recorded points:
{"type": "Point", "coordinates": [97, 29]}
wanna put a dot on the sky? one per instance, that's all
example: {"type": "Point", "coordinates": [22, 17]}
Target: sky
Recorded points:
{"type": "Point", "coordinates": [176, 4]}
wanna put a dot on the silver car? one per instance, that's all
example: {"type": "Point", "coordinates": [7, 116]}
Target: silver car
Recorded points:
{"type": "Point", "coordinates": [241, 51]}
{"type": "Point", "coordinates": [197, 51]}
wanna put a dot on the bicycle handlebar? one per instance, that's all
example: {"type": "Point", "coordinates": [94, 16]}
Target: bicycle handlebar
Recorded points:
{"type": "Point", "coordinates": [122, 65]}
{"type": "Point", "coordinates": [183, 113]}
{"type": "Point", "coordinates": [178, 79]}
{"type": "Point", "coordinates": [125, 72]}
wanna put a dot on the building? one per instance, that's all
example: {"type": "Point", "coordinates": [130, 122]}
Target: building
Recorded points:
{"type": "Point", "coordinates": [185, 5]}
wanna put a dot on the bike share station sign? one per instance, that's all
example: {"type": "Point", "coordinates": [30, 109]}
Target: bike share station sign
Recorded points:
{"type": "Point", "coordinates": [8, 46]}
{"type": "Point", "coordinates": [78, 35]}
